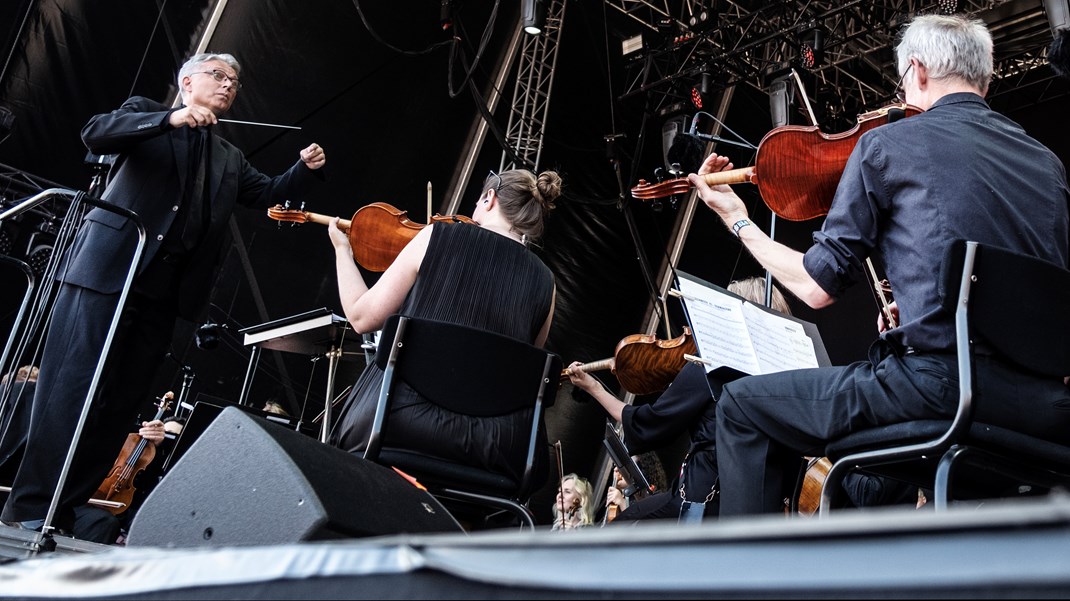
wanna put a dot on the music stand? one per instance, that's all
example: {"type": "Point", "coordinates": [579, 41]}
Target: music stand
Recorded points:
{"type": "Point", "coordinates": [629, 470]}
{"type": "Point", "coordinates": [315, 333]}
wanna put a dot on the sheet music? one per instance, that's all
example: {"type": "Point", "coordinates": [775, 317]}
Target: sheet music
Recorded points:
{"type": "Point", "coordinates": [734, 333]}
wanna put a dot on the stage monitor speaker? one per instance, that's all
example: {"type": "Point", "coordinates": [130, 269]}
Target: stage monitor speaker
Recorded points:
{"type": "Point", "coordinates": [247, 481]}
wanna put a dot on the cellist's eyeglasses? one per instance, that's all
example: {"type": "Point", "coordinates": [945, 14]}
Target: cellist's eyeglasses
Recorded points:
{"type": "Point", "coordinates": [900, 93]}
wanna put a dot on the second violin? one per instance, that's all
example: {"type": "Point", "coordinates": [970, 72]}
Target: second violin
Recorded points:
{"type": "Point", "coordinates": [377, 232]}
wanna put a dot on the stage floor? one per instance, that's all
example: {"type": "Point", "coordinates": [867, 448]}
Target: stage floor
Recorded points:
{"type": "Point", "coordinates": [1010, 549]}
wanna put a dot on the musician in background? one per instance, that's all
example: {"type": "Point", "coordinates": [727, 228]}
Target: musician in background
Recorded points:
{"type": "Point", "coordinates": [183, 181]}
{"type": "Point", "coordinates": [574, 504]}
{"type": "Point", "coordinates": [688, 405]}
{"type": "Point", "coordinates": [616, 501]}
{"type": "Point", "coordinates": [481, 275]}
{"type": "Point", "coordinates": [958, 170]}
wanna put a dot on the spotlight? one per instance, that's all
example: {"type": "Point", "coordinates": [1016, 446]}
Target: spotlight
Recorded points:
{"type": "Point", "coordinates": [948, 7]}
{"type": "Point", "coordinates": [812, 50]}
{"type": "Point", "coordinates": [702, 91]}
{"type": "Point", "coordinates": [39, 248]}
{"type": "Point", "coordinates": [533, 15]}
{"type": "Point", "coordinates": [9, 233]}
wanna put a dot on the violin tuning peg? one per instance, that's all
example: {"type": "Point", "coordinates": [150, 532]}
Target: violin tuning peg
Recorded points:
{"type": "Point", "coordinates": [286, 205]}
{"type": "Point", "coordinates": [302, 205]}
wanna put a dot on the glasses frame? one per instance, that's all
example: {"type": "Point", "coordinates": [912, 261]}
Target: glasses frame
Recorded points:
{"type": "Point", "coordinates": [220, 77]}
{"type": "Point", "coordinates": [900, 92]}
{"type": "Point", "coordinates": [498, 186]}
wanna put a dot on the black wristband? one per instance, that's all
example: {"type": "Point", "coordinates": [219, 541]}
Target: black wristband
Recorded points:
{"type": "Point", "coordinates": [742, 223]}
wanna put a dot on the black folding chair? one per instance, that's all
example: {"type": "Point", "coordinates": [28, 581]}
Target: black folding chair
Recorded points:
{"type": "Point", "coordinates": [475, 373]}
{"type": "Point", "coordinates": [1016, 306]}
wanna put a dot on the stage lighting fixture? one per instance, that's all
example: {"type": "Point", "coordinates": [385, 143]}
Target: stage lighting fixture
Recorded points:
{"type": "Point", "coordinates": [948, 7]}
{"type": "Point", "coordinates": [533, 15]}
{"type": "Point", "coordinates": [701, 92]}
{"type": "Point", "coordinates": [9, 232]}
{"type": "Point", "coordinates": [39, 248]}
{"type": "Point", "coordinates": [812, 49]}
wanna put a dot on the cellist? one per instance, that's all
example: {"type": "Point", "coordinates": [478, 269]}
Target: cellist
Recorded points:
{"type": "Point", "coordinates": [958, 170]}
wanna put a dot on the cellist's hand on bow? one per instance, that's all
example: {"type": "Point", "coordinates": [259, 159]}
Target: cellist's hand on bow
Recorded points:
{"type": "Point", "coordinates": [720, 198]}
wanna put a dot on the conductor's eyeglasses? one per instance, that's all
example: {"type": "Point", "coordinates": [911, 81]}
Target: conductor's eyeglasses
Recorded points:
{"type": "Point", "coordinates": [220, 77]}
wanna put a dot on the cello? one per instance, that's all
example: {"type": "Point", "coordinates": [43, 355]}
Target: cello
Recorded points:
{"type": "Point", "coordinates": [136, 455]}
{"type": "Point", "coordinates": [642, 363]}
{"type": "Point", "coordinates": [377, 232]}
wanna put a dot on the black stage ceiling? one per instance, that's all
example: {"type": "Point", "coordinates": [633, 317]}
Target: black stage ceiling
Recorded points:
{"type": "Point", "coordinates": [383, 88]}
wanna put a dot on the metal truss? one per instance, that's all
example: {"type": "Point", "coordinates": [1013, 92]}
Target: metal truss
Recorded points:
{"type": "Point", "coordinates": [752, 43]}
{"type": "Point", "coordinates": [531, 95]}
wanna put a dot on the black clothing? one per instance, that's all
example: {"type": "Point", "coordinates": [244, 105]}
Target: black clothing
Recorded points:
{"type": "Point", "coordinates": [152, 177]}
{"type": "Point", "coordinates": [687, 405]}
{"type": "Point", "coordinates": [477, 278]}
{"type": "Point", "coordinates": [957, 171]}
{"type": "Point", "coordinates": [910, 188]}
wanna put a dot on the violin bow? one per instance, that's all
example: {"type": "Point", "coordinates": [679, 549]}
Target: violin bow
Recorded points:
{"type": "Point", "coordinates": [560, 482]}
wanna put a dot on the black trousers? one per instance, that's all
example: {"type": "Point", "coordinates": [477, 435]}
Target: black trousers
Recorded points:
{"type": "Point", "coordinates": [74, 343]}
{"type": "Point", "coordinates": [765, 423]}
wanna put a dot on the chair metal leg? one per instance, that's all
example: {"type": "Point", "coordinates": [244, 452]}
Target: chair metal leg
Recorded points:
{"type": "Point", "coordinates": [520, 511]}
{"type": "Point", "coordinates": [831, 487]}
{"type": "Point", "coordinates": [942, 484]}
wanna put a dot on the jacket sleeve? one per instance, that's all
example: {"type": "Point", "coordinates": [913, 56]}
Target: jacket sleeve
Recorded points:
{"type": "Point", "coordinates": [135, 121]}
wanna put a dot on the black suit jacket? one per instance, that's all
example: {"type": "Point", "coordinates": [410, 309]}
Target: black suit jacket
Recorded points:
{"type": "Point", "coordinates": [149, 178]}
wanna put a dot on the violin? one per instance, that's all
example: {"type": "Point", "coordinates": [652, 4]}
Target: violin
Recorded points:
{"type": "Point", "coordinates": [377, 232]}
{"type": "Point", "coordinates": [644, 364]}
{"type": "Point", "coordinates": [137, 454]}
{"type": "Point", "coordinates": [796, 169]}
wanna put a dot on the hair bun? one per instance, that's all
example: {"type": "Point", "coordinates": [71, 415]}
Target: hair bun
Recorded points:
{"type": "Point", "coordinates": [549, 186]}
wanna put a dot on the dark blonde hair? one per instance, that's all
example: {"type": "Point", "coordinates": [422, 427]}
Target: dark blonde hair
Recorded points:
{"type": "Point", "coordinates": [525, 199]}
{"type": "Point", "coordinates": [753, 289]}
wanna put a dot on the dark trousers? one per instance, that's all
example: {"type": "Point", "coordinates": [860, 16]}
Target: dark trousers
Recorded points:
{"type": "Point", "coordinates": [73, 346]}
{"type": "Point", "coordinates": [765, 423]}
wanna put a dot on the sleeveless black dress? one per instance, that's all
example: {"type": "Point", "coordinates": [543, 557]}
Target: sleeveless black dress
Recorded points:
{"type": "Point", "coordinates": [477, 278]}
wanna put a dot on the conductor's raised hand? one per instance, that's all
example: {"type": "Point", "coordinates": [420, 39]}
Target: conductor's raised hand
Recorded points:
{"type": "Point", "coordinates": [192, 116]}
{"type": "Point", "coordinates": [314, 156]}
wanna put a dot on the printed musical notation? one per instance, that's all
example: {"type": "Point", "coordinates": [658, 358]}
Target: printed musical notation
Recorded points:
{"type": "Point", "coordinates": [732, 332]}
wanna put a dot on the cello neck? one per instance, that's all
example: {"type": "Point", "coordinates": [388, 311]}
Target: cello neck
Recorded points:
{"type": "Point", "coordinates": [732, 176]}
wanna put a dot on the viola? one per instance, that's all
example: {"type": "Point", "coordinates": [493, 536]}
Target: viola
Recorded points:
{"type": "Point", "coordinates": [644, 364]}
{"type": "Point", "coordinates": [377, 232]}
{"type": "Point", "coordinates": [136, 455]}
{"type": "Point", "coordinates": [796, 169]}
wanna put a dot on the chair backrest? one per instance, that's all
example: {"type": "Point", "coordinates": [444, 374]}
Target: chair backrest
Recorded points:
{"type": "Point", "coordinates": [468, 370]}
{"type": "Point", "coordinates": [1019, 306]}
